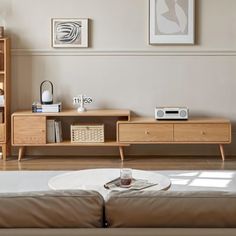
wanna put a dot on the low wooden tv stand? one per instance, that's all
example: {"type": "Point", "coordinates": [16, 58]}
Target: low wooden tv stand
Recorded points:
{"type": "Point", "coordinates": [192, 131]}
{"type": "Point", "coordinates": [29, 129]}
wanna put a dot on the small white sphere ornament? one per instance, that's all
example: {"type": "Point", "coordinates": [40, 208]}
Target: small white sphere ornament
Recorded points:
{"type": "Point", "coordinates": [47, 96]}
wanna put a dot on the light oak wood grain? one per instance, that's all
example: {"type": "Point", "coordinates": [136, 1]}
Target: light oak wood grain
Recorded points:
{"type": "Point", "coordinates": [88, 113]}
{"type": "Point", "coordinates": [68, 143]}
{"type": "Point", "coordinates": [193, 131]}
{"type": "Point", "coordinates": [202, 133]}
{"type": "Point", "coordinates": [145, 133]}
{"type": "Point", "coordinates": [192, 120]}
{"type": "Point", "coordinates": [2, 132]}
{"type": "Point", "coordinates": [29, 130]}
{"type": "Point", "coordinates": [138, 162]}
{"type": "Point", "coordinates": [5, 70]}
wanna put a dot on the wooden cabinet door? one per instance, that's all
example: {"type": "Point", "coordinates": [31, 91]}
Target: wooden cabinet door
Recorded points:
{"type": "Point", "coordinates": [219, 133]}
{"type": "Point", "coordinates": [2, 132]}
{"type": "Point", "coordinates": [145, 133]}
{"type": "Point", "coordinates": [29, 130]}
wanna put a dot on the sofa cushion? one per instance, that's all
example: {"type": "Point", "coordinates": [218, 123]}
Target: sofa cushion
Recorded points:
{"type": "Point", "coordinates": [52, 209]}
{"type": "Point", "coordinates": [171, 209]}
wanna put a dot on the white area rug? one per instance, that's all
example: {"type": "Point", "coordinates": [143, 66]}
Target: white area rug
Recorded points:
{"type": "Point", "coordinates": [24, 181]}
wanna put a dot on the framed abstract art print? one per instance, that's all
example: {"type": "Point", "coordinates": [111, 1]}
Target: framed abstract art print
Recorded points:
{"type": "Point", "coordinates": [171, 21]}
{"type": "Point", "coordinates": [69, 33]}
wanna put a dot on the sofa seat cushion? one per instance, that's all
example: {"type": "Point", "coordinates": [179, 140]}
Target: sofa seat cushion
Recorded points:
{"type": "Point", "coordinates": [171, 209]}
{"type": "Point", "coordinates": [52, 209]}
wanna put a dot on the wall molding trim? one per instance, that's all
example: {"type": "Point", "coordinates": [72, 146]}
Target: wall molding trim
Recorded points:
{"type": "Point", "coordinates": [85, 52]}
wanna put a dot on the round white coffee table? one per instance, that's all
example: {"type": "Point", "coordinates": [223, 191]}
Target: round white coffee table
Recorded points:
{"type": "Point", "coordinates": [94, 179]}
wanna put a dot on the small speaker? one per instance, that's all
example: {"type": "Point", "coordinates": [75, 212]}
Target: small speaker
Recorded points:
{"type": "Point", "coordinates": [183, 113]}
{"type": "Point", "coordinates": [160, 113]}
{"type": "Point", "coordinates": [171, 113]}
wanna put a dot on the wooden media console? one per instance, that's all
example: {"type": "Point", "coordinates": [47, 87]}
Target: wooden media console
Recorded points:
{"type": "Point", "coordinates": [192, 131]}
{"type": "Point", "coordinates": [30, 129]}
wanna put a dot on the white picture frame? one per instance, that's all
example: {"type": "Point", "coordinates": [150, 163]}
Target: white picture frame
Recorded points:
{"type": "Point", "coordinates": [69, 32]}
{"type": "Point", "coordinates": [171, 21]}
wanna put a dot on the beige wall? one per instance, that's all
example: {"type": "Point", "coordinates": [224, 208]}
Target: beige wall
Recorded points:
{"type": "Point", "coordinates": [120, 69]}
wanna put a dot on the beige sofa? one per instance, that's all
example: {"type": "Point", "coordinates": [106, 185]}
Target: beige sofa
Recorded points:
{"type": "Point", "coordinates": [123, 213]}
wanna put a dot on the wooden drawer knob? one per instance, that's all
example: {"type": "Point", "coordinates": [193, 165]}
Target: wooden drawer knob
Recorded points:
{"type": "Point", "coordinates": [203, 132]}
{"type": "Point", "coordinates": [147, 132]}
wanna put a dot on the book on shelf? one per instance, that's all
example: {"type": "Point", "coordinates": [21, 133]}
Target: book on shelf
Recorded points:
{"type": "Point", "coordinates": [58, 131]}
{"type": "Point", "coordinates": [38, 107]}
{"type": "Point", "coordinates": [51, 138]}
{"type": "Point", "coordinates": [54, 131]}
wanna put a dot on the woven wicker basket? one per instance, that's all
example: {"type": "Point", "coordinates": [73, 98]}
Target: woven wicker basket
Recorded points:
{"type": "Point", "coordinates": [87, 133]}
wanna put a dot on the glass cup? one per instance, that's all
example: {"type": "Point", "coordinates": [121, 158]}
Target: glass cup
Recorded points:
{"type": "Point", "coordinates": [125, 177]}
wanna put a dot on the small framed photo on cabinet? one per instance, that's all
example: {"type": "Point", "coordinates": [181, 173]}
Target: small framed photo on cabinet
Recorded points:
{"type": "Point", "coordinates": [171, 21]}
{"type": "Point", "coordinates": [69, 33]}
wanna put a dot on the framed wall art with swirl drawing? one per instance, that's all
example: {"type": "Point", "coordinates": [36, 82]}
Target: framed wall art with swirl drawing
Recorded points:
{"type": "Point", "coordinates": [69, 33]}
{"type": "Point", "coordinates": [171, 21]}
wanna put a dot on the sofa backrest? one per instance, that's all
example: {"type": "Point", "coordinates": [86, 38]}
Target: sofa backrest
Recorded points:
{"type": "Point", "coordinates": [171, 209]}
{"type": "Point", "coordinates": [127, 209]}
{"type": "Point", "coordinates": [52, 209]}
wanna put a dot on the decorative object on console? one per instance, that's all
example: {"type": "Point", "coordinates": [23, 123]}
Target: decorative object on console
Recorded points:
{"type": "Point", "coordinates": [82, 99]}
{"type": "Point", "coordinates": [46, 92]}
{"type": "Point", "coordinates": [69, 33]}
{"type": "Point", "coordinates": [87, 133]}
{"type": "Point", "coordinates": [171, 22]}
{"type": "Point", "coordinates": [171, 113]}
{"type": "Point", "coordinates": [38, 107]}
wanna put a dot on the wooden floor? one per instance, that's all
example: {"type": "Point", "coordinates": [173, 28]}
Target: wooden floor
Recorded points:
{"type": "Point", "coordinates": [141, 162]}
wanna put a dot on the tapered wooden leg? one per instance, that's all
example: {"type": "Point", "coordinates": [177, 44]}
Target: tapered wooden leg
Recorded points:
{"type": "Point", "coordinates": [4, 152]}
{"type": "Point", "coordinates": [121, 153]}
{"type": "Point", "coordinates": [8, 149]}
{"type": "Point", "coordinates": [21, 153]}
{"type": "Point", "coordinates": [222, 152]}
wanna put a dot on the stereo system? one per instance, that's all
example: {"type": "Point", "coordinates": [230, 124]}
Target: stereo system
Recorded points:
{"type": "Point", "coordinates": [171, 113]}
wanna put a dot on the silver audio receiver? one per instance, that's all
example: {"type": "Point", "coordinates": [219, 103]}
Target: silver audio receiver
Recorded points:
{"type": "Point", "coordinates": [171, 113]}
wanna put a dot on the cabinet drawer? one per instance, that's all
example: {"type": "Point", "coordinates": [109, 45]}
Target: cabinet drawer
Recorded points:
{"type": "Point", "coordinates": [29, 130]}
{"type": "Point", "coordinates": [145, 132]}
{"type": "Point", "coordinates": [2, 132]}
{"type": "Point", "coordinates": [202, 133]}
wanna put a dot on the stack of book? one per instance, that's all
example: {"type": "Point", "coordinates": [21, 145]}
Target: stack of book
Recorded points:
{"type": "Point", "coordinates": [54, 131]}
{"type": "Point", "coordinates": [2, 101]}
{"type": "Point", "coordinates": [38, 107]}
